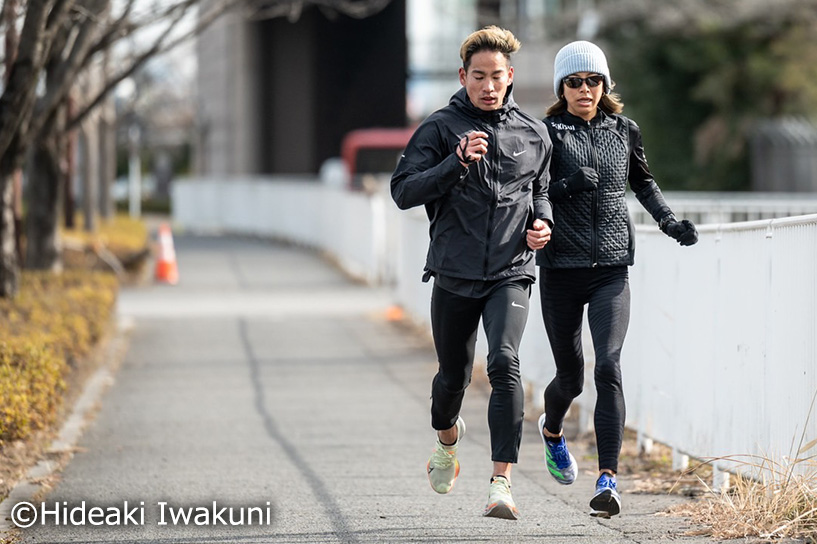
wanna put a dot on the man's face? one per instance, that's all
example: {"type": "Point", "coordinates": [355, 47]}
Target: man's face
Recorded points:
{"type": "Point", "coordinates": [487, 79]}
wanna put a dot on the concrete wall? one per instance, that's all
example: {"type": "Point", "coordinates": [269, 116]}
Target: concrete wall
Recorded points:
{"type": "Point", "coordinates": [278, 95]}
{"type": "Point", "coordinates": [227, 126]}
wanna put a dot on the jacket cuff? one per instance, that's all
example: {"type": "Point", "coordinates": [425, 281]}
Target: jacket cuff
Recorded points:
{"type": "Point", "coordinates": [653, 201]}
{"type": "Point", "coordinates": [451, 172]}
{"type": "Point", "coordinates": [544, 211]}
{"type": "Point", "coordinates": [666, 220]}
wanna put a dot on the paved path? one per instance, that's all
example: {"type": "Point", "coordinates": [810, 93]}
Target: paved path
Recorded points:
{"type": "Point", "coordinates": [266, 377]}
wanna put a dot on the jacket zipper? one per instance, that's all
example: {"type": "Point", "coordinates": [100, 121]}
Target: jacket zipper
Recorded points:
{"type": "Point", "coordinates": [494, 200]}
{"type": "Point", "coordinates": [596, 203]}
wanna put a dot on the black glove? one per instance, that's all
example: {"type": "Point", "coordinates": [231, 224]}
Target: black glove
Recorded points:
{"type": "Point", "coordinates": [683, 231]}
{"type": "Point", "coordinates": [583, 179]}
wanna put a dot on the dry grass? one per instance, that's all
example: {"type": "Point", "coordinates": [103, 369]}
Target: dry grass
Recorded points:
{"type": "Point", "coordinates": [770, 499]}
{"type": "Point", "coordinates": [766, 509]}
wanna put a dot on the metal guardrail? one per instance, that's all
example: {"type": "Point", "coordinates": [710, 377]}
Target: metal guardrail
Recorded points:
{"type": "Point", "coordinates": [718, 207]}
{"type": "Point", "coordinates": [721, 351]}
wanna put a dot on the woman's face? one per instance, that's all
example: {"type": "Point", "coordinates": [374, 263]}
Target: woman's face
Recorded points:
{"type": "Point", "coordinates": [583, 101]}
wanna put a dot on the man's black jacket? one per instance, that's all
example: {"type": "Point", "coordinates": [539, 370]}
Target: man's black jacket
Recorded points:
{"type": "Point", "coordinates": [478, 215]}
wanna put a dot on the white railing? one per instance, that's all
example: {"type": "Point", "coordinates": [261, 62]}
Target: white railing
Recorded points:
{"type": "Point", "coordinates": [350, 226]}
{"type": "Point", "coordinates": [720, 207]}
{"type": "Point", "coordinates": [722, 345]}
{"type": "Point", "coordinates": [720, 357]}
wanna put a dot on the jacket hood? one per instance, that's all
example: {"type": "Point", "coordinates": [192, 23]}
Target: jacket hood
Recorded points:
{"type": "Point", "coordinates": [461, 101]}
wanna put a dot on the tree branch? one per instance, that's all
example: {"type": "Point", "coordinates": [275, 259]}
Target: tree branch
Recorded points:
{"type": "Point", "coordinates": [62, 74]}
{"type": "Point", "coordinates": [117, 30]}
{"type": "Point", "coordinates": [19, 94]}
{"type": "Point", "coordinates": [9, 20]}
{"type": "Point", "coordinates": [158, 48]}
{"type": "Point", "coordinates": [264, 9]}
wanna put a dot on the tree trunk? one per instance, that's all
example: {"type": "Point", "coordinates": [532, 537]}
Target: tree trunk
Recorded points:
{"type": "Point", "coordinates": [17, 210]}
{"type": "Point", "coordinates": [9, 267]}
{"type": "Point", "coordinates": [107, 164]}
{"type": "Point", "coordinates": [69, 205]}
{"type": "Point", "coordinates": [107, 146]}
{"type": "Point", "coordinates": [44, 184]}
{"type": "Point", "coordinates": [90, 174]}
{"type": "Point", "coordinates": [12, 40]}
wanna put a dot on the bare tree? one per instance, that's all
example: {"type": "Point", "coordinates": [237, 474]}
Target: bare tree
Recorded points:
{"type": "Point", "coordinates": [62, 39]}
{"type": "Point", "coordinates": [267, 9]}
{"type": "Point", "coordinates": [12, 39]}
{"type": "Point", "coordinates": [59, 40]}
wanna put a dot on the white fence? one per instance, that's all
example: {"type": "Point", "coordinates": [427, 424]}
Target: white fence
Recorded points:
{"type": "Point", "coordinates": [722, 345]}
{"type": "Point", "coordinates": [720, 358]}
{"type": "Point", "coordinates": [351, 227]}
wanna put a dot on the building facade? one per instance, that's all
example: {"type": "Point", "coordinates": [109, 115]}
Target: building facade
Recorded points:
{"type": "Point", "coordinates": [277, 96]}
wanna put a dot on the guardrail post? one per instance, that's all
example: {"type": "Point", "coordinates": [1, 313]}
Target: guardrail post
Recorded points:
{"type": "Point", "coordinates": [680, 461]}
{"type": "Point", "coordinates": [721, 479]}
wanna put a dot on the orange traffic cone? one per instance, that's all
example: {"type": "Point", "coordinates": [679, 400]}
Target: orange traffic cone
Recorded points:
{"type": "Point", "coordinates": [166, 269]}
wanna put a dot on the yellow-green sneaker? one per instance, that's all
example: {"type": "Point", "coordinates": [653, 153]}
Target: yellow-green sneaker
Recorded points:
{"type": "Point", "coordinates": [443, 467]}
{"type": "Point", "coordinates": [500, 502]}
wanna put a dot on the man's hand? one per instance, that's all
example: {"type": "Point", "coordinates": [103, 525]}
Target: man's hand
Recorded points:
{"type": "Point", "coordinates": [472, 147]}
{"type": "Point", "coordinates": [539, 235]}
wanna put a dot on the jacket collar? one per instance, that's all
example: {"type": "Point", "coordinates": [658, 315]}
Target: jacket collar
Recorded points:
{"type": "Point", "coordinates": [600, 119]}
{"type": "Point", "coordinates": [461, 101]}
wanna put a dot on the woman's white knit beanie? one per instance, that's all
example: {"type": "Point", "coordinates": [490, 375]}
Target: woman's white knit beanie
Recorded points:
{"type": "Point", "coordinates": [580, 56]}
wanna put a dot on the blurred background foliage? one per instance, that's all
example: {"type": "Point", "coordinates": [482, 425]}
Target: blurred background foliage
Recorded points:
{"type": "Point", "coordinates": [698, 77]}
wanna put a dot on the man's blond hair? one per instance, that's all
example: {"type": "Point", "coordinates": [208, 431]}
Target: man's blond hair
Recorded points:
{"type": "Point", "coordinates": [490, 38]}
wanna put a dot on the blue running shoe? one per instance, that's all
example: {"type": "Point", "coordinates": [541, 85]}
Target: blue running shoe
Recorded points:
{"type": "Point", "coordinates": [560, 463]}
{"type": "Point", "coordinates": [606, 502]}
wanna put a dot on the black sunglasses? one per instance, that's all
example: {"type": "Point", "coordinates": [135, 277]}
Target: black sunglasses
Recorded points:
{"type": "Point", "coordinates": [575, 82]}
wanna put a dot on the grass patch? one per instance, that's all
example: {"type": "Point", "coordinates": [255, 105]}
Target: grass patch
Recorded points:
{"type": "Point", "coordinates": [55, 320]}
{"type": "Point", "coordinates": [155, 205]}
{"type": "Point", "coordinates": [53, 336]}
{"type": "Point", "coordinates": [120, 244]}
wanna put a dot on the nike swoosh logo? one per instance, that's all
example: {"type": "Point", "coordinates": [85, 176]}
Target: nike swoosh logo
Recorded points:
{"type": "Point", "coordinates": [517, 153]}
{"type": "Point", "coordinates": [515, 305]}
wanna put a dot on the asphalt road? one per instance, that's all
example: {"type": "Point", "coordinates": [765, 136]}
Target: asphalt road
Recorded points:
{"type": "Point", "coordinates": [268, 382]}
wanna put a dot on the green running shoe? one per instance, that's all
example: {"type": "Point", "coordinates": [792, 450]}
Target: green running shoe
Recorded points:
{"type": "Point", "coordinates": [560, 463]}
{"type": "Point", "coordinates": [443, 467]}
